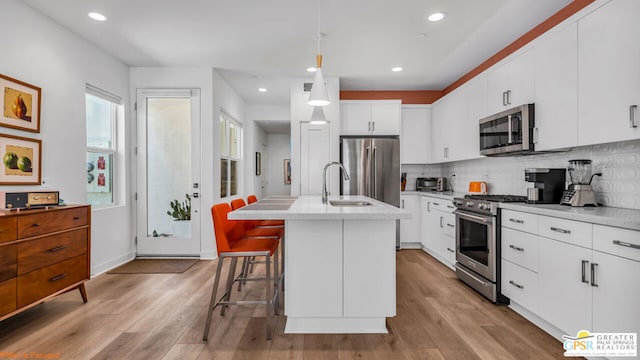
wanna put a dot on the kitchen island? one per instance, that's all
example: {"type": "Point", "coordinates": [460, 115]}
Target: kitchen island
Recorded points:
{"type": "Point", "coordinates": [340, 267]}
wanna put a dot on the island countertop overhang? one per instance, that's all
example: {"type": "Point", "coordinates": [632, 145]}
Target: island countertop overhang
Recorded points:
{"type": "Point", "coordinates": [312, 208]}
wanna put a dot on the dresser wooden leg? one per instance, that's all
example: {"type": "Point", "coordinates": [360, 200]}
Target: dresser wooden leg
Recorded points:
{"type": "Point", "coordinates": [83, 292]}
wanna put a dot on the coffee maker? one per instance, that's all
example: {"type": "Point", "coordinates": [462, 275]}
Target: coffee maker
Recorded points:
{"type": "Point", "coordinates": [548, 185]}
{"type": "Point", "coordinates": [580, 192]}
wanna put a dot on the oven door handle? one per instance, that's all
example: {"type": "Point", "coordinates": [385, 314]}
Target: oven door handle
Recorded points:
{"type": "Point", "coordinates": [461, 269]}
{"type": "Point", "coordinates": [465, 215]}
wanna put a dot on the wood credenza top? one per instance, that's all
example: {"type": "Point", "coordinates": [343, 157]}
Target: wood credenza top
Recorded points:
{"type": "Point", "coordinates": [21, 212]}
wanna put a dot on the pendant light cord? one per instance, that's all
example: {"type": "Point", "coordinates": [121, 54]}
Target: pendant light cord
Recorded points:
{"type": "Point", "coordinates": [318, 28]}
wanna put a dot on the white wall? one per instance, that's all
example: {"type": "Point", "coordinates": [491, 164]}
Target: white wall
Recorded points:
{"type": "Point", "coordinates": [42, 53]}
{"type": "Point", "coordinates": [278, 149]}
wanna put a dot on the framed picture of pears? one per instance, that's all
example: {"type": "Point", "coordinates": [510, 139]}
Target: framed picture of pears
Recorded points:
{"type": "Point", "coordinates": [21, 163]}
{"type": "Point", "coordinates": [20, 105]}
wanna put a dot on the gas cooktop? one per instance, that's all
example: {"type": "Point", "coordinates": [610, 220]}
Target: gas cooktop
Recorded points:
{"type": "Point", "coordinates": [496, 197]}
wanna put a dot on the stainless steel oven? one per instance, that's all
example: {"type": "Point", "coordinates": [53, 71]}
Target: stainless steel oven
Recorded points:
{"type": "Point", "coordinates": [478, 242]}
{"type": "Point", "coordinates": [508, 132]}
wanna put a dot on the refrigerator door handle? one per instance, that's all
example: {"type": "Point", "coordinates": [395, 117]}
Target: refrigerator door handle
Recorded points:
{"type": "Point", "coordinates": [368, 178]}
{"type": "Point", "coordinates": [375, 173]}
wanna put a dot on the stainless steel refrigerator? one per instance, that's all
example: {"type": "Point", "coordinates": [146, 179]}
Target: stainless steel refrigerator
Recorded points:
{"type": "Point", "coordinates": [373, 163]}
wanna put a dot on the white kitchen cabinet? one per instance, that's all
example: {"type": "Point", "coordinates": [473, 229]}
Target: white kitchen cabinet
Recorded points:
{"type": "Point", "coordinates": [410, 228]}
{"type": "Point", "coordinates": [556, 89]}
{"type": "Point", "coordinates": [438, 229]}
{"type": "Point", "coordinates": [520, 285]}
{"type": "Point", "coordinates": [565, 294]}
{"type": "Point", "coordinates": [314, 153]}
{"type": "Point", "coordinates": [512, 83]}
{"type": "Point", "coordinates": [447, 112]}
{"type": "Point", "coordinates": [608, 73]}
{"type": "Point", "coordinates": [415, 137]}
{"type": "Point", "coordinates": [371, 117]}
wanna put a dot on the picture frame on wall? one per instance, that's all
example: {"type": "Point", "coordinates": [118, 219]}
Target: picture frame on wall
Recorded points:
{"type": "Point", "coordinates": [20, 105]}
{"type": "Point", "coordinates": [21, 160]}
{"type": "Point", "coordinates": [258, 164]}
{"type": "Point", "coordinates": [287, 171]}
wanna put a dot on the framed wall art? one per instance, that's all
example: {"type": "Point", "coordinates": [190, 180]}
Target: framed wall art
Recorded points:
{"type": "Point", "coordinates": [20, 105]}
{"type": "Point", "coordinates": [258, 164]}
{"type": "Point", "coordinates": [287, 171]}
{"type": "Point", "coordinates": [21, 160]}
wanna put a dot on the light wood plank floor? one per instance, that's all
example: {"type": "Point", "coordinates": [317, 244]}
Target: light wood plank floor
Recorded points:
{"type": "Point", "coordinates": [162, 316]}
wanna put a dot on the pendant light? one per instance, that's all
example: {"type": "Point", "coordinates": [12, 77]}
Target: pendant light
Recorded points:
{"type": "Point", "coordinates": [319, 95]}
{"type": "Point", "coordinates": [317, 116]}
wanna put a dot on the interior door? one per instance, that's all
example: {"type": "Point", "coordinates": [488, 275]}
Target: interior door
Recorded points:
{"type": "Point", "coordinates": [168, 170]}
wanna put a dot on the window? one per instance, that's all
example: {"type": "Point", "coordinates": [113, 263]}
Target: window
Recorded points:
{"type": "Point", "coordinates": [102, 111]}
{"type": "Point", "coordinates": [230, 155]}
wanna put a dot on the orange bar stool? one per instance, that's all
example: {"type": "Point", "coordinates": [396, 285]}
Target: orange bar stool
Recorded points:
{"type": "Point", "coordinates": [232, 243]}
{"type": "Point", "coordinates": [251, 199]}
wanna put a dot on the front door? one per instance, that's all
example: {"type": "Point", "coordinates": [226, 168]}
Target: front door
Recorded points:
{"type": "Point", "coordinates": [168, 172]}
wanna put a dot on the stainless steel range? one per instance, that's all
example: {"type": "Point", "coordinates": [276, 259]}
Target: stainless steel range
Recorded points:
{"type": "Point", "coordinates": [478, 242]}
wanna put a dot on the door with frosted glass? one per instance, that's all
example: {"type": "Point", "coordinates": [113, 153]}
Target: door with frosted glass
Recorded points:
{"type": "Point", "coordinates": [168, 173]}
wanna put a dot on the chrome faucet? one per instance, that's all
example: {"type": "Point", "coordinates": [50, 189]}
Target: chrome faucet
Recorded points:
{"type": "Point", "coordinates": [325, 194]}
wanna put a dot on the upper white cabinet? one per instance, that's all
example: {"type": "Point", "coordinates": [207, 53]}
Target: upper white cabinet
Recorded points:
{"type": "Point", "coordinates": [609, 73]}
{"type": "Point", "coordinates": [511, 84]}
{"type": "Point", "coordinates": [370, 117]}
{"type": "Point", "coordinates": [415, 139]}
{"type": "Point", "coordinates": [556, 89]}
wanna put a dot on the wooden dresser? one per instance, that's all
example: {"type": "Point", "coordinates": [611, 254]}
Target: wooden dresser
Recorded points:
{"type": "Point", "coordinates": [43, 253]}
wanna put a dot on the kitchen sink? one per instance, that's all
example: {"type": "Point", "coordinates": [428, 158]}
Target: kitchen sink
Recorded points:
{"type": "Point", "coordinates": [353, 203]}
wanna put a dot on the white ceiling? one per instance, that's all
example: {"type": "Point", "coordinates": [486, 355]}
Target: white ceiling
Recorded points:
{"type": "Point", "coordinates": [258, 43]}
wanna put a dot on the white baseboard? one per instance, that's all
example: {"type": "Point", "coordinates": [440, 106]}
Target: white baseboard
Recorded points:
{"type": "Point", "coordinates": [208, 255]}
{"type": "Point", "coordinates": [111, 264]}
{"type": "Point", "coordinates": [410, 245]}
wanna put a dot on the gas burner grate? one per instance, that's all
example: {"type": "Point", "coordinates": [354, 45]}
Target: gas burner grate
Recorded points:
{"type": "Point", "coordinates": [497, 198]}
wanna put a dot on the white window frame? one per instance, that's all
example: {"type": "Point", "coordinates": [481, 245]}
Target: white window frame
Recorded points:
{"type": "Point", "coordinates": [228, 119]}
{"type": "Point", "coordinates": [115, 102]}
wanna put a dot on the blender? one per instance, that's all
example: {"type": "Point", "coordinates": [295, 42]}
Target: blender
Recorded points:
{"type": "Point", "coordinates": [580, 192]}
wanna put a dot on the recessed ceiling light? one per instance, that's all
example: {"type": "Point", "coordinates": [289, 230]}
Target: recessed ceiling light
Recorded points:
{"type": "Point", "coordinates": [312, 69]}
{"type": "Point", "coordinates": [262, 89]}
{"type": "Point", "coordinates": [97, 16]}
{"type": "Point", "coordinates": [421, 35]}
{"type": "Point", "coordinates": [396, 69]}
{"type": "Point", "coordinates": [437, 16]}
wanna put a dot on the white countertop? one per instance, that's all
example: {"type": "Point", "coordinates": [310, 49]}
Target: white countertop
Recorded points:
{"type": "Point", "coordinates": [311, 208]}
{"type": "Point", "coordinates": [610, 216]}
{"type": "Point", "coordinates": [446, 195]}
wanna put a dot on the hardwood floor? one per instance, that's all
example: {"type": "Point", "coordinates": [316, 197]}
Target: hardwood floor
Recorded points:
{"type": "Point", "coordinates": [162, 316]}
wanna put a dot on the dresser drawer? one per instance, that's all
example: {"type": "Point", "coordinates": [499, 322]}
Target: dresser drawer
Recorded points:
{"type": "Point", "coordinates": [519, 221]}
{"type": "Point", "coordinates": [38, 253]}
{"type": "Point", "coordinates": [51, 221]}
{"type": "Point", "coordinates": [8, 229]}
{"type": "Point", "coordinates": [8, 262]}
{"type": "Point", "coordinates": [7, 296]}
{"type": "Point", "coordinates": [38, 284]}
{"type": "Point", "coordinates": [520, 248]}
{"type": "Point", "coordinates": [569, 231]}
{"type": "Point", "coordinates": [520, 285]}
{"type": "Point", "coordinates": [616, 241]}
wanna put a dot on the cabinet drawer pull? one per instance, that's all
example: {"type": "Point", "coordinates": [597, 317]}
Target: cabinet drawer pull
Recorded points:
{"type": "Point", "coordinates": [626, 244]}
{"type": "Point", "coordinates": [450, 225]}
{"type": "Point", "coordinates": [436, 204]}
{"type": "Point", "coordinates": [563, 231]}
{"type": "Point", "coordinates": [57, 277]}
{"type": "Point", "coordinates": [594, 283]}
{"type": "Point", "coordinates": [450, 207]}
{"type": "Point", "coordinates": [35, 225]}
{"type": "Point", "coordinates": [516, 284]}
{"type": "Point", "coordinates": [58, 248]}
{"type": "Point", "coordinates": [516, 248]}
{"type": "Point", "coordinates": [450, 250]}
{"type": "Point", "coordinates": [517, 221]}
{"type": "Point", "coordinates": [584, 271]}
{"type": "Point", "coordinates": [76, 218]}
{"type": "Point", "coordinates": [632, 115]}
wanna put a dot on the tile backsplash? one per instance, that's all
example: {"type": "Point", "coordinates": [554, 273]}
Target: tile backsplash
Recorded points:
{"type": "Point", "coordinates": [619, 163]}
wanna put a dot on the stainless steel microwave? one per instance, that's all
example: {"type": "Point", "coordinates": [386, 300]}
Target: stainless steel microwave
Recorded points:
{"type": "Point", "coordinates": [509, 132]}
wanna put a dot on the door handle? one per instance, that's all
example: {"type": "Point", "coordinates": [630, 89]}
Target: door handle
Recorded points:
{"type": "Point", "coordinates": [585, 263]}
{"type": "Point", "coordinates": [369, 129]}
{"type": "Point", "coordinates": [373, 126]}
{"type": "Point", "coordinates": [563, 231]}
{"type": "Point", "coordinates": [196, 195]}
{"type": "Point", "coordinates": [403, 203]}
{"type": "Point", "coordinates": [594, 267]}
{"type": "Point", "coordinates": [509, 129]}
{"type": "Point", "coordinates": [508, 97]}
{"type": "Point", "coordinates": [517, 221]}
{"type": "Point", "coordinates": [633, 109]}
{"type": "Point", "coordinates": [441, 222]}
{"type": "Point", "coordinates": [504, 98]}
{"type": "Point", "coordinates": [375, 171]}
{"type": "Point", "coordinates": [516, 284]}
{"type": "Point", "coordinates": [517, 248]}
{"type": "Point", "coordinates": [626, 244]}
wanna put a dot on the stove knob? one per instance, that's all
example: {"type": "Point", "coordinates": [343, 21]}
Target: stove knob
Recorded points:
{"type": "Point", "coordinates": [469, 204]}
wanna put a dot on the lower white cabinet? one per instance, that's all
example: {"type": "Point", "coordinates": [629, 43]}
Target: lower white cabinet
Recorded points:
{"type": "Point", "coordinates": [586, 277]}
{"type": "Point", "coordinates": [438, 229]}
{"type": "Point", "coordinates": [410, 228]}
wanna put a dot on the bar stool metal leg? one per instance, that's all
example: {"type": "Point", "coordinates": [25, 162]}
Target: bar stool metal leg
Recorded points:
{"type": "Point", "coordinates": [227, 294]}
{"type": "Point", "coordinates": [213, 302]}
{"type": "Point", "coordinates": [269, 300]}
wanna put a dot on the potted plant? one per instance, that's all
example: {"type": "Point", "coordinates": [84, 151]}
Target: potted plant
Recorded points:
{"type": "Point", "coordinates": [181, 213]}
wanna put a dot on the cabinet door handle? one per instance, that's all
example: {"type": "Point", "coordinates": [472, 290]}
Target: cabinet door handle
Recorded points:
{"type": "Point", "coordinates": [369, 126]}
{"type": "Point", "coordinates": [508, 97]}
{"type": "Point", "coordinates": [58, 277]}
{"type": "Point", "coordinates": [585, 263]}
{"type": "Point", "coordinates": [509, 130]}
{"type": "Point", "coordinates": [450, 225]}
{"type": "Point", "coordinates": [563, 231]}
{"type": "Point", "coordinates": [403, 203]}
{"type": "Point", "coordinates": [516, 248]}
{"type": "Point", "coordinates": [35, 225]}
{"type": "Point", "coordinates": [76, 218]}
{"type": "Point", "coordinates": [594, 267]}
{"type": "Point", "coordinates": [428, 206]}
{"type": "Point", "coordinates": [58, 248]}
{"type": "Point", "coordinates": [633, 109]}
{"type": "Point", "coordinates": [441, 218]}
{"type": "Point", "coordinates": [517, 221]}
{"type": "Point", "coordinates": [516, 284]}
{"type": "Point", "coordinates": [450, 207]}
{"type": "Point", "coordinates": [436, 204]}
{"type": "Point", "coordinates": [373, 126]}
{"type": "Point", "coordinates": [504, 98]}
{"type": "Point", "coordinates": [535, 135]}
{"type": "Point", "coordinates": [450, 250]}
{"type": "Point", "coordinates": [626, 244]}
